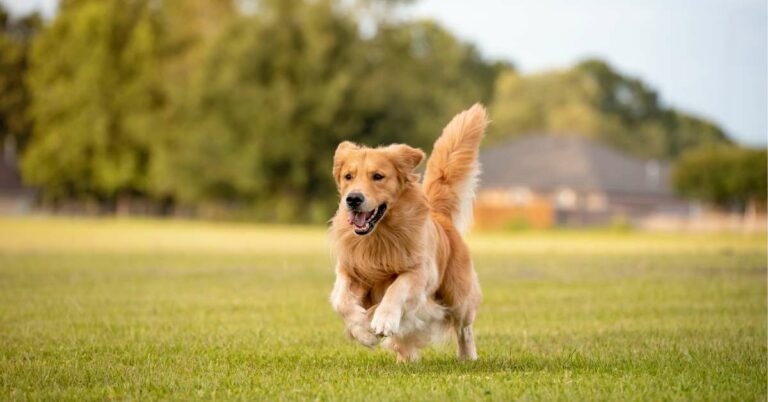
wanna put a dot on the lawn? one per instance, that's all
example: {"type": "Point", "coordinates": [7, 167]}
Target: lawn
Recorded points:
{"type": "Point", "coordinates": [139, 309]}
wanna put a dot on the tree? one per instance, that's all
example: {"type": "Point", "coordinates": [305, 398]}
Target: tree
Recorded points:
{"type": "Point", "coordinates": [203, 102]}
{"type": "Point", "coordinates": [96, 97]}
{"type": "Point", "coordinates": [281, 88]}
{"type": "Point", "coordinates": [729, 177]}
{"type": "Point", "coordinates": [414, 77]}
{"type": "Point", "coordinates": [15, 38]}
{"type": "Point", "coordinates": [593, 100]}
{"type": "Point", "coordinates": [269, 97]}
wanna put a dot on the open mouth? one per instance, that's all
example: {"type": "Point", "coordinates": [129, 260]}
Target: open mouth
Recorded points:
{"type": "Point", "coordinates": [364, 222]}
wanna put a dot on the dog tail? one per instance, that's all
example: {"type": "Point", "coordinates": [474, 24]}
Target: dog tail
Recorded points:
{"type": "Point", "coordinates": [453, 169]}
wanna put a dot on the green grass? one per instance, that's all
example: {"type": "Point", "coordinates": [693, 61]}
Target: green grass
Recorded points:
{"type": "Point", "coordinates": [113, 309]}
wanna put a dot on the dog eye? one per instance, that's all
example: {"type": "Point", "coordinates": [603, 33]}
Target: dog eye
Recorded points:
{"type": "Point", "coordinates": [377, 177]}
{"type": "Point", "coordinates": [348, 176]}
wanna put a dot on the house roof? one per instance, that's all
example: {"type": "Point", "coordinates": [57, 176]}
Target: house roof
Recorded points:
{"type": "Point", "coordinates": [548, 162]}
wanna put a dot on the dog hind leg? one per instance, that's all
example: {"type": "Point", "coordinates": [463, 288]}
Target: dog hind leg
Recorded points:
{"type": "Point", "coordinates": [466, 340]}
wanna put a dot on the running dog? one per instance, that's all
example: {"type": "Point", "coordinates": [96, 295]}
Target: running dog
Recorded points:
{"type": "Point", "coordinates": [403, 270]}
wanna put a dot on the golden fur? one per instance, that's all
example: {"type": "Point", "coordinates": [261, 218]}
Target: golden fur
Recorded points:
{"type": "Point", "coordinates": [411, 277]}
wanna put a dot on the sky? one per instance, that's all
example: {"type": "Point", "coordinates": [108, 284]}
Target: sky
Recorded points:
{"type": "Point", "coordinates": [705, 57]}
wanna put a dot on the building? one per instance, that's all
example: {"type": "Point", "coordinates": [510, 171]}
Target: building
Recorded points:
{"type": "Point", "coordinates": [541, 181]}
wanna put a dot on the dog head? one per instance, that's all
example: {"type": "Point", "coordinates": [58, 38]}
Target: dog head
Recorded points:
{"type": "Point", "coordinates": [371, 179]}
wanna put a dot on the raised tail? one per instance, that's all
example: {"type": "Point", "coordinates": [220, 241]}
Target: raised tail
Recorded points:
{"type": "Point", "coordinates": [453, 169]}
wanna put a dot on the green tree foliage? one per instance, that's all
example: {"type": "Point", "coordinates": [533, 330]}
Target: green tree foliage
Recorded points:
{"type": "Point", "coordinates": [414, 77]}
{"type": "Point", "coordinates": [592, 99]}
{"type": "Point", "coordinates": [271, 96]}
{"type": "Point", "coordinates": [96, 94]}
{"type": "Point", "coordinates": [187, 30]}
{"type": "Point", "coordinates": [199, 103]}
{"type": "Point", "coordinates": [281, 88]}
{"type": "Point", "coordinates": [727, 176]}
{"type": "Point", "coordinates": [15, 38]}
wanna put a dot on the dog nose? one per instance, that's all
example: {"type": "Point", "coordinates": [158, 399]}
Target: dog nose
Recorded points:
{"type": "Point", "coordinates": [354, 200]}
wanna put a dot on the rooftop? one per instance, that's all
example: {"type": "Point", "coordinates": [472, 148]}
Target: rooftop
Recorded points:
{"type": "Point", "coordinates": [549, 162]}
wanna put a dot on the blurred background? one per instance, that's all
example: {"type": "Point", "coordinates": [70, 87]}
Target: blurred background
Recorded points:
{"type": "Point", "coordinates": [619, 114]}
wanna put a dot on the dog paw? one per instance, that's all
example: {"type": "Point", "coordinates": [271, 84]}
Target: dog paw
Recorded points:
{"type": "Point", "coordinates": [363, 335]}
{"type": "Point", "coordinates": [385, 322]}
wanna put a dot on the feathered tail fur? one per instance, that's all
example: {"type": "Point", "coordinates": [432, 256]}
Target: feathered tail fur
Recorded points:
{"type": "Point", "coordinates": [453, 169]}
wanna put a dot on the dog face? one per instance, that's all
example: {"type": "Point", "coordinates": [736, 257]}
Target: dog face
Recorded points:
{"type": "Point", "coordinates": [370, 180]}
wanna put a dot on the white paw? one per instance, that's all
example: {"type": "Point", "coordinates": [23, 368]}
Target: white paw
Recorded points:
{"type": "Point", "coordinates": [363, 335]}
{"type": "Point", "coordinates": [385, 322]}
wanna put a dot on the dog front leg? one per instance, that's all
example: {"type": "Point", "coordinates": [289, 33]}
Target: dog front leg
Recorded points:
{"type": "Point", "coordinates": [407, 291]}
{"type": "Point", "coordinates": [346, 299]}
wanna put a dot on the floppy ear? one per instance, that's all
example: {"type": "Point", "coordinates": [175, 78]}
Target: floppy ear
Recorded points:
{"type": "Point", "coordinates": [338, 157]}
{"type": "Point", "coordinates": [406, 159]}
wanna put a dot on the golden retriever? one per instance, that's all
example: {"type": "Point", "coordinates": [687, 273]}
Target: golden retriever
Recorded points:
{"type": "Point", "coordinates": [403, 270]}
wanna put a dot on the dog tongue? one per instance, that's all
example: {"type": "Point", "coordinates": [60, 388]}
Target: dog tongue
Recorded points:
{"type": "Point", "coordinates": [358, 218]}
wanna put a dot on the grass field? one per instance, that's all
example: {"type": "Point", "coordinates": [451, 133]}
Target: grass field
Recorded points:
{"type": "Point", "coordinates": [112, 309]}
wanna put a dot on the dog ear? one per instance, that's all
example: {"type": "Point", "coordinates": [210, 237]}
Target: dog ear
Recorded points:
{"type": "Point", "coordinates": [406, 158]}
{"type": "Point", "coordinates": [338, 157]}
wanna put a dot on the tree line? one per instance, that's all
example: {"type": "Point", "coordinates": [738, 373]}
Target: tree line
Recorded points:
{"type": "Point", "coordinates": [231, 105]}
